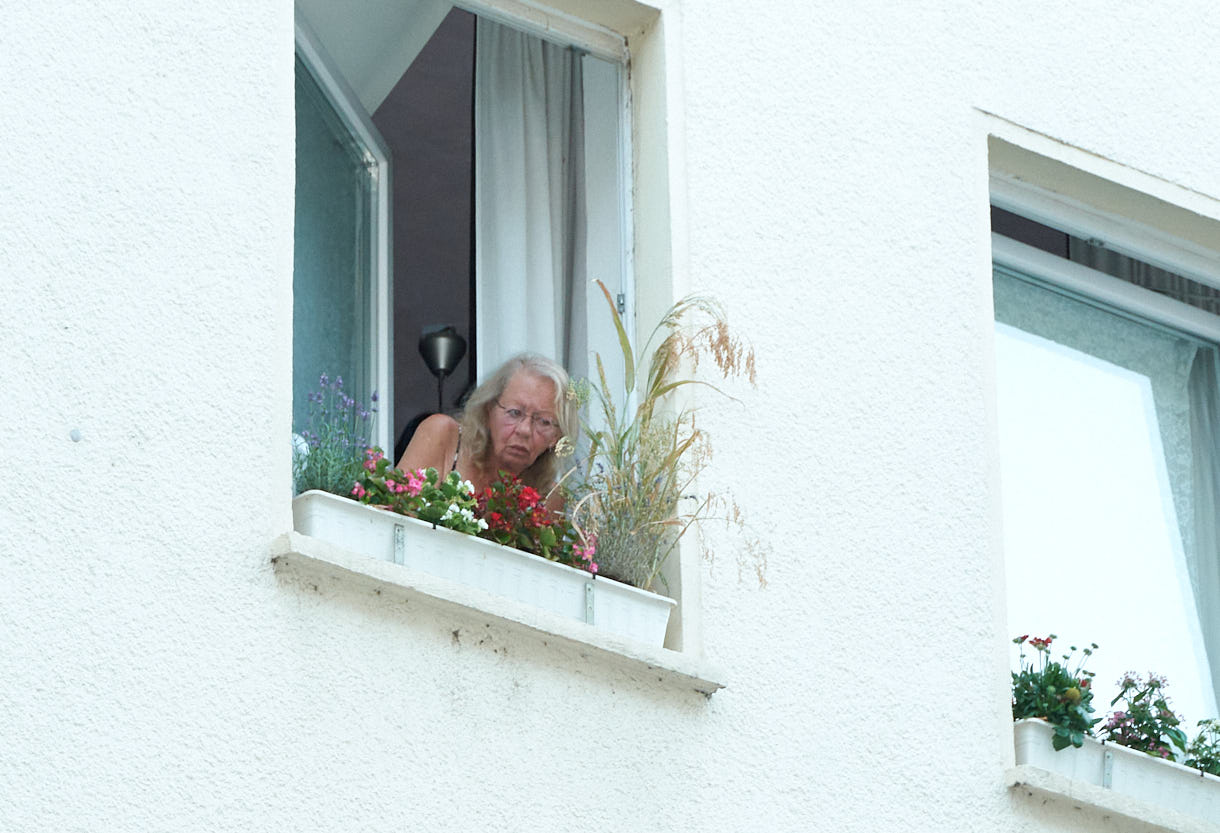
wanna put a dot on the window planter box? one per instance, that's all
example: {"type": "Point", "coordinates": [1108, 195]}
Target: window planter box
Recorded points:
{"type": "Point", "coordinates": [1116, 779]}
{"type": "Point", "coordinates": [605, 604]}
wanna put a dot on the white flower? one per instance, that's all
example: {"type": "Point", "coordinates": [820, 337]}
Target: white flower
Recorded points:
{"type": "Point", "coordinates": [482, 524]}
{"type": "Point", "coordinates": [564, 447]}
{"type": "Point", "coordinates": [468, 487]}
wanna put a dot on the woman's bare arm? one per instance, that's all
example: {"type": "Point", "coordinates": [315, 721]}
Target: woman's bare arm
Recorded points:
{"type": "Point", "coordinates": [433, 445]}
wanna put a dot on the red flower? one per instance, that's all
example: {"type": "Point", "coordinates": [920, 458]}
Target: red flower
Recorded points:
{"type": "Point", "coordinates": [528, 498]}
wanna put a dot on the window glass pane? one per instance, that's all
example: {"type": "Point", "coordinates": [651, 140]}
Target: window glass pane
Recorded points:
{"type": "Point", "coordinates": [1097, 469]}
{"type": "Point", "coordinates": [331, 263]}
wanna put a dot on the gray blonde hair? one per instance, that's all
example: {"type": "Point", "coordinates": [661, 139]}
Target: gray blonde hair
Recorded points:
{"type": "Point", "coordinates": [477, 414]}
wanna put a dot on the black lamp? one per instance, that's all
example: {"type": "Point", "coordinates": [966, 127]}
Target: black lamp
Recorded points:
{"type": "Point", "coordinates": [442, 349]}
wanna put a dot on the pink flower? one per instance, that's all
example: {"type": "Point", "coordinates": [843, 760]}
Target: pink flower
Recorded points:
{"type": "Point", "coordinates": [585, 551]}
{"type": "Point", "coordinates": [415, 483]}
{"type": "Point", "coordinates": [592, 567]}
{"type": "Point", "coordinates": [358, 491]}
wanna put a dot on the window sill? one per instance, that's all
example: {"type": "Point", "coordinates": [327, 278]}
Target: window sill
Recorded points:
{"type": "Point", "coordinates": [1115, 780]}
{"type": "Point", "coordinates": [308, 558]}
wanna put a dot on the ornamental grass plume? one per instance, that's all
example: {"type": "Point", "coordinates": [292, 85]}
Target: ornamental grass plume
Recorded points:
{"type": "Point", "coordinates": [632, 492]}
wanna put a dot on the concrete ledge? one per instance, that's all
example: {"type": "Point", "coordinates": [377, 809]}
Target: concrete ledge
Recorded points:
{"type": "Point", "coordinates": [1036, 780]}
{"type": "Point", "coordinates": [300, 555]}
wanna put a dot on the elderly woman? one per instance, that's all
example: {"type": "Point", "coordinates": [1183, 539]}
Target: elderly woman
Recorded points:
{"type": "Point", "coordinates": [512, 423]}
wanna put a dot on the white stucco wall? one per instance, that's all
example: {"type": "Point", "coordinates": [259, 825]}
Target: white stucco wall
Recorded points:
{"type": "Point", "coordinates": [156, 675]}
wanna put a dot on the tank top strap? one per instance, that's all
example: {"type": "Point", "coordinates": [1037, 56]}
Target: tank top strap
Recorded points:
{"type": "Point", "coordinates": [457, 450]}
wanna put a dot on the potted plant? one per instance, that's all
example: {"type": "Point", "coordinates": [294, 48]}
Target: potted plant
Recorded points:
{"type": "Point", "coordinates": [1204, 751]}
{"type": "Point", "coordinates": [1055, 692]}
{"type": "Point", "coordinates": [1132, 769]}
{"type": "Point", "coordinates": [632, 492]}
{"type": "Point", "coordinates": [351, 497]}
{"type": "Point", "coordinates": [1146, 722]}
{"type": "Point", "coordinates": [627, 506]}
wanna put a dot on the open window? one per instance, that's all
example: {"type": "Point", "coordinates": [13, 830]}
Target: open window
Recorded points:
{"type": "Point", "coordinates": [405, 79]}
{"type": "Point", "coordinates": [454, 168]}
{"type": "Point", "coordinates": [1108, 349]}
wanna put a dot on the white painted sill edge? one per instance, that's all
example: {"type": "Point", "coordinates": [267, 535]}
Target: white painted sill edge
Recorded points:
{"type": "Point", "coordinates": [311, 558]}
{"type": "Point", "coordinates": [1080, 794]}
{"type": "Point", "coordinates": [1175, 786]}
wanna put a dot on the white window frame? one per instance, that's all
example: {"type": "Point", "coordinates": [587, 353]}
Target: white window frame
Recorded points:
{"type": "Point", "coordinates": [652, 173]}
{"type": "Point", "coordinates": [380, 255]}
{"type": "Point", "coordinates": [1139, 219]}
{"type": "Point", "coordinates": [1109, 290]}
{"type": "Point", "coordinates": [1116, 232]}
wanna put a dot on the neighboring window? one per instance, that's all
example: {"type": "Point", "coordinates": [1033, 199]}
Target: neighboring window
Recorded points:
{"type": "Point", "coordinates": [1109, 418]}
{"type": "Point", "coordinates": [507, 195]}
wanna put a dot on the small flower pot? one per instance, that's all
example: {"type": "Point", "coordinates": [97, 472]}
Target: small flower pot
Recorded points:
{"type": "Point", "coordinates": [603, 603]}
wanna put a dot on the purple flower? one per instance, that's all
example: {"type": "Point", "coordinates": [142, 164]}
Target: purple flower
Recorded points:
{"type": "Point", "coordinates": [323, 380]}
{"type": "Point", "coordinates": [374, 396]}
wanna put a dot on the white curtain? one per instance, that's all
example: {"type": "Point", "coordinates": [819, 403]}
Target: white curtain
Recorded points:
{"type": "Point", "coordinates": [1204, 387]}
{"type": "Point", "coordinates": [529, 198]}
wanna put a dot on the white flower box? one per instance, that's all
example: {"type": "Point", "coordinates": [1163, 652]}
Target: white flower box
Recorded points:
{"type": "Point", "coordinates": [601, 602]}
{"type": "Point", "coordinates": [1119, 779]}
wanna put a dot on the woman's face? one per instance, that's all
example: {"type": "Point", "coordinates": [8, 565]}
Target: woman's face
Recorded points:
{"type": "Point", "coordinates": [522, 422]}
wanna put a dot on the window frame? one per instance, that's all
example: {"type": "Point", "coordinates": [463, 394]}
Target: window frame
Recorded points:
{"type": "Point", "coordinates": [308, 47]}
{"type": "Point", "coordinates": [1145, 235]}
{"type": "Point", "coordinates": [652, 172]}
{"type": "Point", "coordinates": [1108, 290]}
{"type": "Point", "coordinates": [1125, 235]}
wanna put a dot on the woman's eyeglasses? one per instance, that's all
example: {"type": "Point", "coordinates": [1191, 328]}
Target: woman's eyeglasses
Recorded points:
{"type": "Point", "coordinates": [540, 424]}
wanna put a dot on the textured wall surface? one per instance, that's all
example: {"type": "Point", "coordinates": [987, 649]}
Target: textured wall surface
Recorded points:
{"type": "Point", "coordinates": [156, 675]}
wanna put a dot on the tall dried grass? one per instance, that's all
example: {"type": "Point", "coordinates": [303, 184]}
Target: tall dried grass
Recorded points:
{"type": "Point", "coordinates": [633, 489]}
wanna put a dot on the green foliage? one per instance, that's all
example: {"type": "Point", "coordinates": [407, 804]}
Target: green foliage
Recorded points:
{"type": "Point", "coordinates": [1204, 751]}
{"type": "Point", "coordinates": [1054, 691]}
{"type": "Point", "coordinates": [632, 494]}
{"type": "Point", "coordinates": [420, 494]}
{"type": "Point", "coordinates": [1147, 723]}
{"type": "Point", "coordinates": [328, 452]}
{"type": "Point", "coordinates": [516, 516]}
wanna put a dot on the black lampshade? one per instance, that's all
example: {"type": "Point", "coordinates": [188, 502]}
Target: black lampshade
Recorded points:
{"type": "Point", "coordinates": [442, 349]}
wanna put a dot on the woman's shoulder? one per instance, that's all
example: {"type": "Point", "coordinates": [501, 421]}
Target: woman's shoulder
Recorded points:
{"type": "Point", "coordinates": [438, 426]}
{"type": "Point", "coordinates": [432, 444]}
